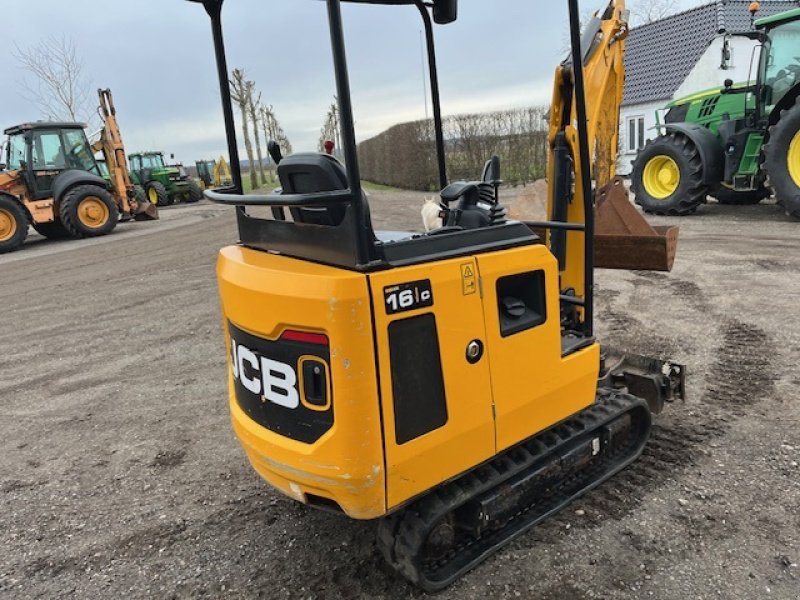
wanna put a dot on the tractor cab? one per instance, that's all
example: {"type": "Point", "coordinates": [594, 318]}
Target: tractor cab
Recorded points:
{"type": "Point", "coordinates": [779, 71]}
{"type": "Point", "coordinates": [43, 150]}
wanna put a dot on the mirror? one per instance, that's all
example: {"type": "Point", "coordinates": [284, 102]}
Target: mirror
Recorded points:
{"type": "Point", "coordinates": [445, 11]}
{"type": "Point", "coordinates": [172, 157]}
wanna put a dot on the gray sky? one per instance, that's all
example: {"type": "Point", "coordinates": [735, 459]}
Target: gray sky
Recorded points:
{"type": "Point", "coordinates": [156, 56]}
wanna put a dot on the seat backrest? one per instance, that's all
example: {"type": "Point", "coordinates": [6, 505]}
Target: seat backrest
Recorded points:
{"type": "Point", "coordinates": [308, 173]}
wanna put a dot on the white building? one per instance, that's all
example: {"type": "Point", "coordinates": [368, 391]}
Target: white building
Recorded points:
{"type": "Point", "coordinates": [680, 55]}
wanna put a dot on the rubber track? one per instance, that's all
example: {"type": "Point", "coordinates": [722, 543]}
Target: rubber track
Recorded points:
{"type": "Point", "coordinates": [402, 536]}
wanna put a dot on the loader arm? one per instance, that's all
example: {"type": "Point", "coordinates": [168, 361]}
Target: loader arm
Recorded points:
{"type": "Point", "coordinates": [113, 149]}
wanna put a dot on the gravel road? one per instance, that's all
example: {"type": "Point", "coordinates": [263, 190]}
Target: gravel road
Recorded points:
{"type": "Point", "coordinates": [120, 475]}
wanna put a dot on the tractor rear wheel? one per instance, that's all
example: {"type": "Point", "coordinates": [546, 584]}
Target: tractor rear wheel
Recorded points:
{"type": "Point", "coordinates": [195, 194]}
{"type": "Point", "coordinates": [13, 224]}
{"type": "Point", "coordinates": [667, 176]}
{"type": "Point", "coordinates": [88, 211]}
{"type": "Point", "coordinates": [157, 194]}
{"type": "Point", "coordinates": [782, 159]}
{"type": "Point", "coordinates": [52, 231]}
{"type": "Point", "coordinates": [728, 196]}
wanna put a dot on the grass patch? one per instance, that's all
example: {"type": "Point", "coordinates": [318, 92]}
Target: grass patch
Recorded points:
{"type": "Point", "coordinates": [248, 186]}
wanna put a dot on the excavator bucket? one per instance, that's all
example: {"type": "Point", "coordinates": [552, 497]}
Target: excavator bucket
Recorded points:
{"type": "Point", "coordinates": [624, 239]}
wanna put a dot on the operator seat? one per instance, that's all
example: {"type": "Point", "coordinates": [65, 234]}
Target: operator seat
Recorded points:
{"type": "Point", "coordinates": [309, 173]}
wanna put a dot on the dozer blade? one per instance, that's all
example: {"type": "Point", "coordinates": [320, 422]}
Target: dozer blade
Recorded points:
{"type": "Point", "coordinates": [624, 239]}
{"type": "Point", "coordinates": [144, 211]}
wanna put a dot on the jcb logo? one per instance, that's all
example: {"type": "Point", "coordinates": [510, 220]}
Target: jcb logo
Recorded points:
{"type": "Point", "coordinates": [272, 380]}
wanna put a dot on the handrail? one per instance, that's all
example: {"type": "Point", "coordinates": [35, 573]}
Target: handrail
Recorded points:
{"type": "Point", "coordinates": [316, 199]}
{"type": "Point", "coordinates": [556, 225]}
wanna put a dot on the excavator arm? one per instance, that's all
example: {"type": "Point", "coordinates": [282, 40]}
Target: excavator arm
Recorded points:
{"type": "Point", "coordinates": [623, 238]}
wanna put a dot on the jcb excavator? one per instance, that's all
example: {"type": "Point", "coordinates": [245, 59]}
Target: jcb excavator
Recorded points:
{"type": "Point", "coordinates": [53, 182]}
{"type": "Point", "coordinates": [449, 383]}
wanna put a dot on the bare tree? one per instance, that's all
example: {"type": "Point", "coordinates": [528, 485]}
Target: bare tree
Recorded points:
{"type": "Point", "coordinates": [273, 129]}
{"type": "Point", "coordinates": [648, 11]}
{"type": "Point", "coordinates": [330, 129]}
{"type": "Point", "coordinates": [253, 104]}
{"type": "Point", "coordinates": [240, 94]}
{"type": "Point", "coordinates": [58, 86]}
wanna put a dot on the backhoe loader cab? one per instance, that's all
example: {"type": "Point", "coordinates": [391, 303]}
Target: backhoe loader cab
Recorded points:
{"type": "Point", "coordinates": [205, 172]}
{"type": "Point", "coordinates": [53, 182]}
{"type": "Point", "coordinates": [448, 383]}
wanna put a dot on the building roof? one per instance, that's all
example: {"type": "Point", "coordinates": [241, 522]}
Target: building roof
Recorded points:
{"type": "Point", "coordinates": [660, 55]}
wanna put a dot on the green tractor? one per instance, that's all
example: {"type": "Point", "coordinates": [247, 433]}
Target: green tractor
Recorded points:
{"type": "Point", "coordinates": [163, 184]}
{"type": "Point", "coordinates": [737, 143]}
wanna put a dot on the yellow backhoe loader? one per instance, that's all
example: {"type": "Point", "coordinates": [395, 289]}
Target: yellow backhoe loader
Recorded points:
{"type": "Point", "coordinates": [214, 174]}
{"type": "Point", "coordinates": [52, 181]}
{"type": "Point", "coordinates": [449, 383]}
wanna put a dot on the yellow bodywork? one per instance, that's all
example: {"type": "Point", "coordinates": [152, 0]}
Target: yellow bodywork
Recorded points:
{"type": "Point", "coordinates": [521, 385]}
{"type": "Point", "coordinates": [265, 294]}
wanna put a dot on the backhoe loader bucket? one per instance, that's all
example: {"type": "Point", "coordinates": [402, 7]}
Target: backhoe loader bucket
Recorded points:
{"type": "Point", "coordinates": [624, 239]}
{"type": "Point", "coordinates": [144, 211]}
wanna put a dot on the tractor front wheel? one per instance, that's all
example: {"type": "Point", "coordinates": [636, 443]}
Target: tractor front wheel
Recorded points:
{"type": "Point", "coordinates": [782, 159]}
{"type": "Point", "coordinates": [195, 194]}
{"type": "Point", "coordinates": [157, 194]}
{"type": "Point", "coordinates": [88, 211]}
{"type": "Point", "coordinates": [728, 196]}
{"type": "Point", "coordinates": [13, 224]}
{"type": "Point", "coordinates": [667, 176]}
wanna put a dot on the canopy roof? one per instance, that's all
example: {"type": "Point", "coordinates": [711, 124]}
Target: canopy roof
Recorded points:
{"type": "Point", "coordinates": [44, 125]}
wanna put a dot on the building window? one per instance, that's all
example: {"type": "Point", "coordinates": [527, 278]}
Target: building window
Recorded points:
{"type": "Point", "coordinates": [635, 129]}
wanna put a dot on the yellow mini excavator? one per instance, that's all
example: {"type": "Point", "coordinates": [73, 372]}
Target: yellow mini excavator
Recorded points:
{"type": "Point", "coordinates": [52, 181]}
{"type": "Point", "coordinates": [449, 383]}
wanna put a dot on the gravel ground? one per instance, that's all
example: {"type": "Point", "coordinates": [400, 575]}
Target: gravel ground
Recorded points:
{"type": "Point", "coordinates": [120, 475]}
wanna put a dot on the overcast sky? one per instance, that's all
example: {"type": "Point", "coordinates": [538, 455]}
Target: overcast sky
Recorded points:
{"type": "Point", "coordinates": [156, 56]}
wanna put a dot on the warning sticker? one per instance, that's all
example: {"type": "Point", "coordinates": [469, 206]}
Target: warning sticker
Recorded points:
{"type": "Point", "coordinates": [469, 282]}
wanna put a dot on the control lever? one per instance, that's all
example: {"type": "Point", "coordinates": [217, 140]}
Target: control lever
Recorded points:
{"type": "Point", "coordinates": [274, 149]}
